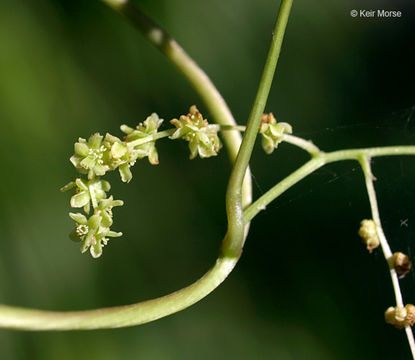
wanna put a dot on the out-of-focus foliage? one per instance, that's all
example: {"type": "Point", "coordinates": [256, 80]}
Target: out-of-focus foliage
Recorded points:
{"type": "Point", "coordinates": [305, 288]}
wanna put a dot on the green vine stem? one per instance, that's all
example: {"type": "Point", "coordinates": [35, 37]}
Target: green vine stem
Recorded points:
{"type": "Point", "coordinates": [240, 211]}
{"type": "Point", "coordinates": [387, 253]}
{"type": "Point", "coordinates": [135, 314]}
{"type": "Point", "coordinates": [234, 204]}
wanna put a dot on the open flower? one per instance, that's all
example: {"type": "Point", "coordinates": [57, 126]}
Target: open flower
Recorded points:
{"type": "Point", "coordinates": [87, 191]}
{"type": "Point", "coordinates": [122, 156]}
{"type": "Point", "coordinates": [95, 231]}
{"type": "Point", "coordinates": [202, 136]}
{"type": "Point", "coordinates": [272, 132]}
{"type": "Point", "coordinates": [90, 156]}
{"type": "Point", "coordinates": [136, 137]}
{"type": "Point", "coordinates": [137, 144]}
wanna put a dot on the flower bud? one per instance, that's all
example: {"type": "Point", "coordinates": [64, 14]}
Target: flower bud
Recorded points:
{"type": "Point", "coordinates": [400, 317]}
{"type": "Point", "coordinates": [272, 132]}
{"type": "Point", "coordinates": [369, 235]}
{"type": "Point", "coordinates": [401, 263]}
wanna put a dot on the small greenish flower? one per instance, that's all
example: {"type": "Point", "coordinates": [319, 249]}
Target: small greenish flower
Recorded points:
{"type": "Point", "coordinates": [122, 156]}
{"type": "Point", "coordinates": [91, 156]}
{"type": "Point", "coordinates": [272, 132]}
{"type": "Point", "coordinates": [95, 231]}
{"type": "Point", "coordinates": [135, 137]}
{"type": "Point", "coordinates": [87, 191]}
{"type": "Point", "coordinates": [202, 136]}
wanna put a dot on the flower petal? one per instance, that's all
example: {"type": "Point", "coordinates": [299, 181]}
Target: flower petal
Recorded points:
{"type": "Point", "coordinates": [81, 149]}
{"type": "Point", "coordinates": [118, 150]}
{"type": "Point", "coordinates": [95, 140]}
{"type": "Point", "coordinates": [125, 173]}
{"type": "Point", "coordinates": [79, 218]}
{"type": "Point", "coordinates": [96, 250]}
{"type": "Point", "coordinates": [81, 199]}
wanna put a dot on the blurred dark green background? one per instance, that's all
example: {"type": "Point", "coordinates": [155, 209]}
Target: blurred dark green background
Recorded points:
{"type": "Point", "coordinates": [305, 287]}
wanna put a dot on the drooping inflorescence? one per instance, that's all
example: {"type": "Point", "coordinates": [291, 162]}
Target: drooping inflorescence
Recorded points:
{"type": "Point", "coordinates": [98, 155]}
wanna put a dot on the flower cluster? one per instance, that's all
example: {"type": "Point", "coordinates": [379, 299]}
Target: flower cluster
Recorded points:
{"type": "Point", "coordinates": [101, 154]}
{"type": "Point", "coordinates": [93, 233]}
{"type": "Point", "coordinates": [202, 137]}
{"type": "Point", "coordinates": [95, 157]}
{"type": "Point", "coordinates": [272, 132]}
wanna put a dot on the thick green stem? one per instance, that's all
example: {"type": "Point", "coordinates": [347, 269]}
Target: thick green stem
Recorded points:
{"type": "Point", "coordinates": [238, 195]}
{"type": "Point", "coordinates": [234, 205]}
{"type": "Point", "coordinates": [146, 311]}
{"type": "Point", "coordinates": [119, 316]}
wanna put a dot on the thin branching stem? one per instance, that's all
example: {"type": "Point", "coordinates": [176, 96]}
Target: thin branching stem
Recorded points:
{"type": "Point", "coordinates": [315, 163]}
{"type": "Point", "coordinates": [135, 314]}
{"type": "Point", "coordinates": [387, 253]}
{"type": "Point", "coordinates": [238, 193]}
{"type": "Point", "coordinates": [306, 145]}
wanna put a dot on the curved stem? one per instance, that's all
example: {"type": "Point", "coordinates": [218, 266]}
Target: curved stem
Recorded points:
{"type": "Point", "coordinates": [238, 195]}
{"type": "Point", "coordinates": [234, 205]}
{"type": "Point", "coordinates": [387, 253]}
{"type": "Point", "coordinates": [193, 73]}
{"type": "Point", "coordinates": [306, 145]}
{"type": "Point", "coordinates": [118, 316]}
{"type": "Point", "coordinates": [15, 317]}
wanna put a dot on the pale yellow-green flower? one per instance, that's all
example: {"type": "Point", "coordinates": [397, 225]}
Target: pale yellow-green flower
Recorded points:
{"type": "Point", "coordinates": [202, 137]}
{"type": "Point", "coordinates": [272, 132]}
